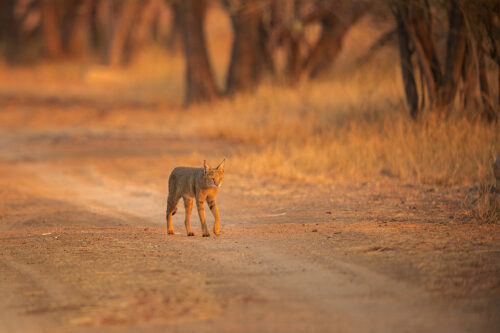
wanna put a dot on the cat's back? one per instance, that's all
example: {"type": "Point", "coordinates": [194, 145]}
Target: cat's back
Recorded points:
{"type": "Point", "coordinates": [185, 180]}
{"type": "Point", "coordinates": [182, 171]}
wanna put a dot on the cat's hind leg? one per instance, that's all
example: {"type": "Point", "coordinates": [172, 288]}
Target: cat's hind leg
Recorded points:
{"type": "Point", "coordinates": [188, 207]}
{"type": "Point", "coordinates": [171, 209]}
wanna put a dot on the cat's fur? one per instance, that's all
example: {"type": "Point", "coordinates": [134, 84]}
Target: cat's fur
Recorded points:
{"type": "Point", "coordinates": [198, 184]}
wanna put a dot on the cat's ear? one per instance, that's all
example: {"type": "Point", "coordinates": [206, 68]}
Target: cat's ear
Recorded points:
{"type": "Point", "coordinates": [221, 165]}
{"type": "Point", "coordinates": [206, 166]}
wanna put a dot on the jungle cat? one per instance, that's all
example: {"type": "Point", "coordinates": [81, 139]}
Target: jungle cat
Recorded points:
{"type": "Point", "coordinates": [199, 184]}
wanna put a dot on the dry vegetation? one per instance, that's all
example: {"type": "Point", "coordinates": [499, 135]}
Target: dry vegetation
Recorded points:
{"type": "Point", "coordinates": [352, 125]}
{"type": "Point", "coordinates": [346, 130]}
{"type": "Point", "coordinates": [339, 211]}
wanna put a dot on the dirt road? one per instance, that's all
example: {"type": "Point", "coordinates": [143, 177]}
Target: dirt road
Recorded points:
{"type": "Point", "coordinates": [83, 246]}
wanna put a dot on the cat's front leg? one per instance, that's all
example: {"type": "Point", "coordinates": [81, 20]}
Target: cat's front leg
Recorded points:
{"type": "Point", "coordinates": [215, 211]}
{"type": "Point", "coordinates": [201, 213]}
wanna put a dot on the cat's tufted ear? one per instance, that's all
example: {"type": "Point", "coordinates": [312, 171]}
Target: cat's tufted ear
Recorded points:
{"type": "Point", "coordinates": [221, 165]}
{"type": "Point", "coordinates": [206, 166]}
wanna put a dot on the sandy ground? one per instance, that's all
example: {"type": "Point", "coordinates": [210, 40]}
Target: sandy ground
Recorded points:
{"type": "Point", "coordinates": [83, 243]}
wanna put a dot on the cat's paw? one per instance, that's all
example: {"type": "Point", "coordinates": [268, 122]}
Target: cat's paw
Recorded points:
{"type": "Point", "coordinates": [171, 232]}
{"type": "Point", "coordinates": [206, 235]}
{"type": "Point", "coordinates": [190, 233]}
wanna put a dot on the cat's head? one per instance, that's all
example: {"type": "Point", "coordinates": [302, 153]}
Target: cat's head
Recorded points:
{"type": "Point", "coordinates": [214, 177]}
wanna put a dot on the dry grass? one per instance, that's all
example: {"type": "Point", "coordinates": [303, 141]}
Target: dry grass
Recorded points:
{"type": "Point", "coordinates": [483, 203]}
{"type": "Point", "coordinates": [350, 129]}
{"type": "Point", "coordinates": [351, 126]}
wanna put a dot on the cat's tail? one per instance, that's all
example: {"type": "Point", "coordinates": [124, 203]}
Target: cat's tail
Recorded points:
{"type": "Point", "coordinates": [171, 206]}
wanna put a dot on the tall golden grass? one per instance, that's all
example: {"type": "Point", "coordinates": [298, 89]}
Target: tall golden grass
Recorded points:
{"type": "Point", "coordinates": [352, 125]}
{"type": "Point", "coordinates": [354, 128]}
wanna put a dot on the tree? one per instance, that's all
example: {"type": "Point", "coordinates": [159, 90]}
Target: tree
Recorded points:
{"type": "Point", "coordinates": [119, 43]}
{"type": "Point", "coordinates": [407, 69]}
{"type": "Point", "coordinates": [200, 83]}
{"type": "Point", "coordinates": [263, 27]}
{"type": "Point", "coordinates": [174, 41]}
{"type": "Point", "coordinates": [247, 58]}
{"type": "Point", "coordinates": [336, 18]}
{"type": "Point", "coordinates": [51, 29]}
{"type": "Point", "coordinates": [64, 27]}
{"type": "Point", "coordinates": [463, 63]}
{"type": "Point", "coordinates": [9, 30]}
{"type": "Point", "coordinates": [76, 23]}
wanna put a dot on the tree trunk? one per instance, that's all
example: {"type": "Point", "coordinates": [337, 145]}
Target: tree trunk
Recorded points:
{"type": "Point", "coordinates": [329, 44]}
{"type": "Point", "coordinates": [174, 41]}
{"type": "Point", "coordinates": [292, 36]}
{"type": "Point", "coordinates": [76, 27]}
{"type": "Point", "coordinates": [103, 25]}
{"type": "Point", "coordinates": [200, 83]}
{"type": "Point", "coordinates": [469, 76]}
{"type": "Point", "coordinates": [144, 27]}
{"type": "Point", "coordinates": [407, 68]}
{"type": "Point", "coordinates": [294, 60]}
{"type": "Point", "coordinates": [464, 53]}
{"type": "Point", "coordinates": [388, 37]}
{"type": "Point", "coordinates": [455, 53]}
{"type": "Point", "coordinates": [117, 52]}
{"type": "Point", "coordinates": [416, 17]}
{"type": "Point", "coordinates": [492, 25]}
{"type": "Point", "coordinates": [246, 56]}
{"type": "Point", "coordinates": [489, 112]}
{"type": "Point", "coordinates": [420, 14]}
{"type": "Point", "coordinates": [266, 48]}
{"type": "Point", "coordinates": [9, 30]}
{"type": "Point", "coordinates": [95, 27]}
{"type": "Point", "coordinates": [51, 29]}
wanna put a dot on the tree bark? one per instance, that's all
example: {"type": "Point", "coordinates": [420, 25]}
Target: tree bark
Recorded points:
{"type": "Point", "coordinates": [492, 24]}
{"type": "Point", "coordinates": [294, 60]}
{"type": "Point", "coordinates": [292, 37]}
{"type": "Point", "coordinates": [51, 29]}
{"type": "Point", "coordinates": [388, 37]}
{"type": "Point", "coordinates": [416, 17]}
{"type": "Point", "coordinates": [407, 68]}
{"type": "Point", "coordinates": [469, 76]}
{"type": "Point", "coordinates": [9, 30]}
{"type": "Point", "coordinates": [118, 47]}
{"type": "Point", "coordinates": [329, 44]}
{"type": "Point", "coordinates": [76, 27]}
{"type": "Point", "coordinates": [174, 41]}
{"type": "Point", "coordinates": [455, 54]}
{"type": "Point", "coordinates": [144, 30]}
{"type": "Point", "coordinates": [95, 27]}
{"type": "Point", "coordinates": [200, 83]}
{"type": "Point", "coordinates": [489, 112]}
{"type": "Point", "coordinates": [464, 53]}
{"type": "Point", "coordinates": [266, 48]}
{"type": "Point", "coordinates": [422, 21]}
{"type": "Point", "coordinates": [247, 51]}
